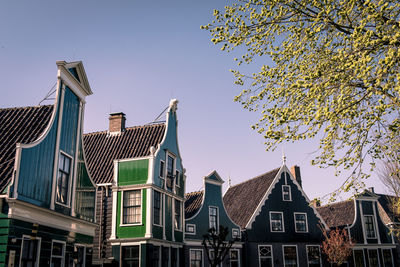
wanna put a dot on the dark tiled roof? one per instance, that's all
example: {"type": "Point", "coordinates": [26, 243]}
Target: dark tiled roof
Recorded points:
{"type": "Point", "coordinates": [101, 148]}
{"type": "Point", "coordinates": [19, 125]}
{"type": "Point", "coordinates": [241, 200]}
{"type": "Point", "coordinates": [387, 208]}
{"type": "Point", "coordinates": [193, 202]}
{"type": "Point", "coordinates": [338, 214]}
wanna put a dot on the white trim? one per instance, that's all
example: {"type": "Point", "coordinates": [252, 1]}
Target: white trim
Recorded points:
{"type": "Point", "coordinates": [150, 173]}
{"type": "Point", "coordinates": [362, 222]}
{"type": "Point", "coordinates": [163, 211]}
{"type": "Point", "coordinates": [38, 249]}
{"type": "Point", "coordinates": [377, 255]}
{"type": "Point", "coordinates": [283, 254]}
{"type": "Point", "coordinates": [63, 252]}
{"type": "Point", "coordinates": [290, 192]}
{"type": "Point", "coordinates": [32, 213]}
{"type": "Point", "coordinates": [354, 257]}
{"type": "Point", "coordinates": [202, 255]}
{"type": "Point", "coordinates": [84, 253]}
{"type": "Point", "coordinates": [294, 216]}
{"type": "Point", "coordinates": [172, 155]}
{"type": "Point", "coordinates": [238, 235]}
{"type": "Point", "coordinates": [78, 136]}
{"type": "Point", "coordinates": [319, 251]}
{"type": "Point", "coordinates": [73, 84]}
{"type": "Point", "coordinates": [217, 222]}
{"type": "Point", "coordinates": [238, 259]}
{"type": "Point", "coordinates": [149, 212]}
{"type": "Point", "coordinates": [282, 220]}
{"type": "Point", "coordinates": [70, 177]}
{"type": "Point", "coordinates": [121, 222]}
{"type": "Point", "coordinates": [271, 187]}
{"type": "Point", "coordinates": [190, 225]}
{"type": "Point", "coordinates": [114, 203]}
{"type": "Point", "coordinates": [57, 148]}
{"type": "Point", "coordinates": [259, 256]}
{"type": "Point", "coordinates": [180, 215]}
{"type": "Point", "coordinates": [376, 222]}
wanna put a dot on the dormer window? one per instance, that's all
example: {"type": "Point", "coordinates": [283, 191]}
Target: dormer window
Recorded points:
{"type": "Point", "coordinates": [63, 177]}
{"type": "Point", "coordinates": [286, 193]}
{"type": "Point", "coordinates": [369, 226]}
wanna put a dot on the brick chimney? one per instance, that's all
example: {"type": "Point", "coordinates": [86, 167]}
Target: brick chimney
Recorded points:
{"type": "Point", "coordinates": [295, 170]}
{"type": "Point", "coordinates": [117, 122]}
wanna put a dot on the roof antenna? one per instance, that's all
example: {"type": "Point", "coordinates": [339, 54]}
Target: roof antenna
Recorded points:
{"type": "Point", "coordinates": [229, 181]}
{"type": "Point", "coordinates": [283, 157]}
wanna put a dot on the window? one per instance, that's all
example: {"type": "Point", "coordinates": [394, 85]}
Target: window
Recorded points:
{"type": "Point", "coordinates": [387, 257]}
{"type": "Point", "coordinates": [373, 258]}
{"type": "Point", "coordinates": [178, 178]}
{"type": "Point", "coordinates": [132, 207]}
{"type": "Point", "coordinates": [170, 172]}
{"type": "Point", "coordinates": [234, 257]}
{"type": "Point", "coordinates": [178, 224]}
{"type": "Point", "coordinates": [300, 220]}
{"type": "Point", "coordinates": [80, 259]}
{"type": "Point", "coordinates": [157, 208]}
{"type": "Point", "coordinates": [369, 226]}
{"type": "Point", "coordinates": [212, 255]}
{"type": "Point", "coordinates": [165, 256]}
{"type": "Point", "coordinates": [265, 256]}
{"type": "Point", "coordinates": [276, 221]}
{"type": "Point", "coordinates": [63, 176]}
{"type": "Point", "coordinates": [213, 217]}
{"type": "Point", "coordinates": [162, 169]}
{"type": "Point", "coordinates": [190, 229]}
{"type": "Point", "coordinates": [57, 254]}
{"type": "Point", "coordinates": [30, 252]}
{"type": "Point", "coordinates": [358, 258]}
{"type": "Point", "coordinates": [286, 193]}
{"type": "Point", "coordinates": [156, 256]}
{"type": "Point", "coordinates": [235, 233]}
{"type": "Point", "coordinates": [313, 256]}
{"type": "Point", "coordinates": [174, 257]}
{"type": "Point", "coordinates": [130, 256]}
{"type": "Point", "coordinates": [196, 258]}
{"type": "Point", "coordinates": [290, 256]}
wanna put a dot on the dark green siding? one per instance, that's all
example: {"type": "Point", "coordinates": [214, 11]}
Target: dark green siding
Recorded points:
{"type": "Point", "coordinates": [168, 218]}
{"type": "Point", "coordinates": [69, 123]}
{"type": "Point", "coordinates": [131, 231]}
{"type": "Point", "coordinates": [133, 172]}
{"type": "Point", "coordinates": [4, 230]}
{"type": "Point", "coordinates": [157, 232]}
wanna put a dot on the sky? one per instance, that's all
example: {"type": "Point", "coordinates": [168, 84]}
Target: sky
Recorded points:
{"type": "Point", "coordinates": [138, 55]}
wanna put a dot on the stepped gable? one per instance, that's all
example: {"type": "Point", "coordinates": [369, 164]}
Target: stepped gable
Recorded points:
{"type": "Point", "coordinates": [242, 200]}
{"type": "Point", "coordinates": [338, 214]}
{"type": "Point", "coordinates": [102, 148]}
{"type": "Point", "coordinates": [193, 202]}
{"type": "Point", "coordinates": [19, 125]}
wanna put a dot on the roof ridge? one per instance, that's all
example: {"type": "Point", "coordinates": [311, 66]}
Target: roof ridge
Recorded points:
{"type": "Point", "coordinates": [26, 107]}
{"type": "Point", "coordinates": [335, 203]}
{"type": "Point", "coordinates": [258, 176]}
{"type": "Point", "coordinates": [127, 128]}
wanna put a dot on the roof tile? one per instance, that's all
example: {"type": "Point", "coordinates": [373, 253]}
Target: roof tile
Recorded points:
{"type": "Point", "coordinates": [193, 202]}
{"type": "Point", "coordinates": [338, 214]}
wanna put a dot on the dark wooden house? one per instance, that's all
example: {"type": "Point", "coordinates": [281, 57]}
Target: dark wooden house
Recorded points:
{"type": "Point", "coordinates": [375, 245]}
{"type": "Point", "coordinates": [279, 226]}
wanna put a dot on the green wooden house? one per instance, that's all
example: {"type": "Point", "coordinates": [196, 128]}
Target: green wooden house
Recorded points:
{"type": "Point", "coordinates": [47, 198]}
{"type": "Point", "coordinates": [141, 184]}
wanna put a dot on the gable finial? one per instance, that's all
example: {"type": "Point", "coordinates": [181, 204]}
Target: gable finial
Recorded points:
{"type": "Point", "coordinates": [229, 181]}
{"type": "Point", "coordinates": [283, 157]}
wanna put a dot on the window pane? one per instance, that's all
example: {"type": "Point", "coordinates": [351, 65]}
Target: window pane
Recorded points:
{"type": "Point", "coordinates": [301, 222]}
{"type": "Point", "coordinates": [290, 256]}
{"type": "Point", "coordinates": [373, 258]}
{"type": "Point", "coordinates": [156, 256]}
{"type": "Point", "coordinates": [132, 206]}
{"type": "Point", "coordinates": [358, 258]}
{"type": "Point", "coordinates": [177, 214]}
{"type": "Point", "coordinates": [157, 207]}
{"type": "Point", "coordinates": [313, 255]}
{"type": "Point", "coordinates": [265, 256]}
{"type": "Point", "coordinates": [196, 258]}
{"type": "Point", "coordinates": [387, 258]}
{"type": "Point", "coordinates": [162, 169]}
{"type": "Point", "coordinates": [369, 226]}
{"type": "Point", "coordinates": [276, 222]}
{"type": "Point", "coordinates": [130, 256]}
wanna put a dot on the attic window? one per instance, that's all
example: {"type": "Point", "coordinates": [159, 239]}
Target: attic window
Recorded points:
{"type": "Point", "coordinates": [286, 193]}
{"type": "Point", "coordinates": [369, 226]}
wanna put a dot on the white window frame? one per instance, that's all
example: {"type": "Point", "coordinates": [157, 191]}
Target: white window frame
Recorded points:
{"type": "Point", "coordinates": [202, 256]}
{"type": "Point", "coordinates": [169, 154]}
{"type": "Point", "coordinates": [121, 223]}
{"type": "Point", "coordinates": [319, 251]}
{"type": "Point", "coordinates": [294, 217]}
{"type": "Point", "coordinates": [190, 225]}
{"type": "Point", "coordinates": [270, 222]}
{"type": "Point", "coordinates": [238, 233]}
{"type": "Point", "coordinates": [177, 180]}
{"type": "Point", "coordinates": [209, 217]}
{"type": "Point", "coordinates": [373, 225]}
{"type": "Point", "coordinates": [211, 251]}
{"type": "Point", "coordinates": [283, 254]}
{"type": "Point", "coordinates": [354, 256]}
{"type": "Point", "coordinates": [180, 215]}
{"type": "Point", "coordinates": [56, 256]}
{"type": "Point", "coordinates": [290, 193]}
{"type": "Point", "coordinates": [38, 250]}
{"type": "Point", "coordinates": [162, 171]}
{"type": "Point", "coordinates": [377, 254]}
{"type": "Point", "coordinates": [259, 256]}
{"type": "Point", "coordinates": [391, 255]}
{"type": "Point", "coordinates": [140, 251]}
{"type": "Point", "coordinates": [70, 177]}
{"type": "Point", "coordinates": [161, 209]}
{"type": "Point", "coordinates": [238, 253]}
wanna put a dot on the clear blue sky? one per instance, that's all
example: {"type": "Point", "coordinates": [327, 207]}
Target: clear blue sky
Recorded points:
{"type": "Point", "coordinates": [138, 55]}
